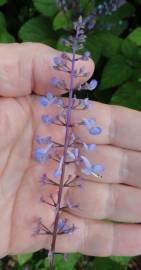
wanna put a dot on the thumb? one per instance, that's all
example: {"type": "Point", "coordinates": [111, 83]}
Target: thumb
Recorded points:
{"type": "Point", "coordinates": [28, 67]}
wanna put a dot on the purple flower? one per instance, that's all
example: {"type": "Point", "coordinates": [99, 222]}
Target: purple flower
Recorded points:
{"type": "Point", "coordinates": [43, 179]}
{"type": "Point", "coordinates": [89, 123]}
{"type": "Point", "coordinates": [89, 146]}
{"type": "Point", "coordinates": [61, 84]}
{"type": "Point", "coordinates": [92, 85]}
{"type": "Point", "coordinates": [60, 102]}
{"type": "Point", "coordinates": [55, 81]}
{"type": "Point", "coordinates": [95, 130]}
{"type": "Point", "coordinates": [47, 100]}
{"type": "Point", "coordinates": [58, 61]}
{"type": "Point", "coordinates": [43, 140]}
{"type": "Point", "coordinates": [90, 169]}
{"type": "Point", "coordinates": [73, 154]}
{"type": "Point", "coordinates": [86, 56]}
{"type": "Point", "coordinates": [47, 119]}
{"type": "Point", "coordinates": [63, 228]}
{"type": "Point", "coordinates": [44, 101]}
{"type": "Point", "coordinates": [86, 103]}
{"type": "Point", "coordinates": [40, 155]}
{"type": "Point", "coordinates": [58, 171]}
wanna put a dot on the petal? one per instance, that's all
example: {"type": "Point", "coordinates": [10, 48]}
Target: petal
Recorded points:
{"type": "Point", "coordinates": [98, 168]}
{"type": "Point", "coordinates": [86, 162]}
{"type": "Point", "coordinates": [95, 130]}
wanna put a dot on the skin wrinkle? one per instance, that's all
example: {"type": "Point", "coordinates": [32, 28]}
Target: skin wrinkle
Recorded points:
{"type": "Point", "coordinates": [13, 215]}
{"type": "Point", "coordinates": [16, 195]}
{"type": "Point", "coordinates": [14, 202]}
{"type": "Point", "coordinates": [112, 126]}
{"type": "Point", "coordinates": [109, 202]}
{"type": "Point", "coordinates": [83, 239]}
{"type": "Point", "coordinates": [111, 253]}
{"type": "Point", "coordinates": [114, 202]}
{"type": "Point", "coordinates": [19, 186]}
{"type": "Point", "coordinates": [6, 164]}
{"type": "Point", "coordinates": [124, 168]}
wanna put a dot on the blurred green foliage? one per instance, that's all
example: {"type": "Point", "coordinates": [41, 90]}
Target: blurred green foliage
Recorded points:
{"type": "Point", "coordinates": [115, 45]}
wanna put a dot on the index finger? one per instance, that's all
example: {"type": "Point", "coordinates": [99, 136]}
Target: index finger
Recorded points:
{"type": "Point", "coordinates": [28, 67]}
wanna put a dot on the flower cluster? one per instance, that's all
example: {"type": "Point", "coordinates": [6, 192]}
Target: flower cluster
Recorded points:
{"type": "Point", "coordinates": [62, 4]}
{"type": "Point", "coordinates": [106, 8]}
{"type": "Point", "coordinates": [70, 150]}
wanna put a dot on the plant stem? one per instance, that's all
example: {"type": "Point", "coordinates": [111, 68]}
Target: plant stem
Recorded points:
{"type": "Point", "coordinates": [68, 121]}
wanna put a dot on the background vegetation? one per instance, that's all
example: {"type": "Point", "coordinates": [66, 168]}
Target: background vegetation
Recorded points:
{"type": "Point", "coordinates": [115, 45]}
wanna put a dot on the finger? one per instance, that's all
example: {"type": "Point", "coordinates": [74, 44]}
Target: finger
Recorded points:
{"type": "Point", "coordinates": [120, 165]}
{"type": "Point", "coordinates": [28, 67]}
{"type": "Point", "coordinates": [99, 238]}
{"type": "Point", "coordinates": [106, 201]}
{"type": "Point", "coordinates": [115, 121]}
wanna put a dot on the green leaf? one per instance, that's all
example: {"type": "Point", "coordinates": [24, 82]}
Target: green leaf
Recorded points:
{"type": "Point", "coordinates": [94, 46]}
{"type": "Point", "coordinates": [138, 1]}
{"type": "Point", "coordinates": [38, 29]}
{"type": "Point", "coordinates": [46, 7]}
{"type": "Point", "coordinates": [131, 51]}
{"type": "Point", "coordinates": [2, 2]}
{"type": "Point", "coordinates": [115, 72]}
{"type": "Point", "coordinates": [128, 95]}
{"type": "Point", "coordinates": [5, 37]}
{"type": "Point", "coordinates": [86, 6]}
{"type": "Point", "coordinates": [110, 44]}
{"type": "Point", "coordinates": [2, 22]}
{"type": "Point", "coordinates": [136, 76]}
{"type": "Point", "coordinates": [135, 36]}
{"type": "Point", "coordinates": [127, 10]}
{"type": "Point", "coordinates": [23, 258]}
{"type": "Point", "coordinates": [113, 24]}
{"type": "Point", "coordinates": [106, 264]}
{"type": "Point", "coordinates": [69, 265]}
{"type": "Point", "coordinates": [123, 260]}
{"type": "Point", "coordinates": [60, 21]}
{"type": "Point", "coordinates": [61, 265]}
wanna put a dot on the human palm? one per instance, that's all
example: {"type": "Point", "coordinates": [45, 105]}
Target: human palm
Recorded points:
{"type": "Point", "coordinates": [115, 197]}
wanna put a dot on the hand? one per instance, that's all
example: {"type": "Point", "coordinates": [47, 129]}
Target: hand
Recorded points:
{"type": "Point", "coordinates": [115, 197]}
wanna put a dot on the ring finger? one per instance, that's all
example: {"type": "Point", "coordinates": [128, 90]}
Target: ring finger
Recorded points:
{"type": "Point", "coordinates": [106, 201]}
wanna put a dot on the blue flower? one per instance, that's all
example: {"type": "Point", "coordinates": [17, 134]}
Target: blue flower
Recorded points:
{"type": "Point", "coordinates": [89, 146]}
{"type": "Point", "coordinates": [60, 102]}
{"type": "Point", "coordinates": [58, 61]}
{"type": "Point", "coordinates": [47, 100]}
{"type": "Point", "coordinates": [92, 85]}
{"type": "Point", "coordinates": [89, 123]}
{"type": "Point", "coordinates": [44, 101]}
{"type": "Point", "coordinates": [86, 56]}
{"type": "Point", "coordinates": [58, 171]}
{"type": "Point", "coordinates": [55, 81]}
{"type": "Point", "coordinates": [91, 169]}
{"type": "Point", "coordinates": [47, 119]}
{"type": "Point", "coordinates": [73, 154]}
{"type": "Point", "coordinates": [86, 103]}
{"type": "Point", "coordinates": [64, 228]}
{"type": "Point", "coordinates": [43, 140]}
{"type": "Point", "coordinates": [40, 155]}
{"type": "Point", "coordinates": [95, 130]}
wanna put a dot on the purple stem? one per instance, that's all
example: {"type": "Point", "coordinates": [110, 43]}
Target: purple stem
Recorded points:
{"type": "Point", "coordinates": [68, 121]}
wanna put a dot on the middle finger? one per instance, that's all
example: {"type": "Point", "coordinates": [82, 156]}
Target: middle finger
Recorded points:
{"type": "Point", "coordinates": [120, 165]}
